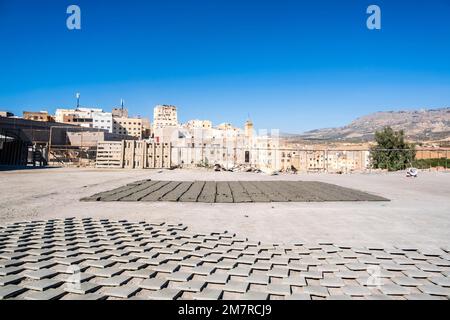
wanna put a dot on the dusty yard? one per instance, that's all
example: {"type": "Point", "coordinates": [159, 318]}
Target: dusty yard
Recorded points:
{"type": "Point", "coordinates": [418, 213]}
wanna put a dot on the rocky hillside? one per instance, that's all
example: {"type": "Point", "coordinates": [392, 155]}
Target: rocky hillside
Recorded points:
{"type": "Point", "coordinates": [420, 125]}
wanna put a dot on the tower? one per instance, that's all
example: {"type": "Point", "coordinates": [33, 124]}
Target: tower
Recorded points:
{"type": "Point", "coordinates": [248, 128]}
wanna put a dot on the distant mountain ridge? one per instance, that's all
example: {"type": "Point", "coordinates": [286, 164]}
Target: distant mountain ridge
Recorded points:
{"type": "Point", "coordinates": [419, 125]}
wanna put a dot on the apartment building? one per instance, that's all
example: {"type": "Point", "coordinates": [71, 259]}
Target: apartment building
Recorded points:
{"type": "Point", "coordinates": [103, 120]}
{"type": "Point", "coordinates": [120, 112]}
{"type": "Point", "coordinates": [128, 126]}
{"type": "Point", "coordinates": [165, 116]}
{"type": "Point", "coordinates": [329, 160]}
{"type": "Point", "coordinates": [80, 116]}
{"type": "Point", "coordinates": [38, 116]}
{"type": "Point", "coordinates": [227, 127]}
{"type": "Point", "coordinates": [225, 145]}
{"type": "Point", "coordinates": [146, 128]}
{"type": "Point", "coordinates": [6, 114]}
{"type": "Point", "coordinates": [198, 124]}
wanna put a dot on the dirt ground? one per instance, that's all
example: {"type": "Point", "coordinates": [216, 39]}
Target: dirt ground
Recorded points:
{"type": "Point", "coordinates": [418, 213]}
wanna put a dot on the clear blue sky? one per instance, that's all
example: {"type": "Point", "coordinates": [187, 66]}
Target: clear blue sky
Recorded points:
{"type": "Point", "coordinates": [293, 65]}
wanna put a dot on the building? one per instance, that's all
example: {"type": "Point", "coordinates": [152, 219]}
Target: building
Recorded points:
{"type": "Point", "coordinates": [103, 120]}
{"type": "Point", "coordinates": [164, 116]}
{"type": "Point", "coordinates": [61, 113]}
{"type": "Point", "coordinates": [248, 129]}
{"type": "Point", "coordinates": [228, 127]}
{"type": "Point", "coordinates": [6, 114]}
{"type": "Point", "coordinates": [80, 116]}
{"type": "Point", "coordinates": [38, 116]}
{"type": "Point", "coordinates": [146, 128]}
{"type": "Point", "coordinates": [198, 124]}
{"type": "Point", "coordinates": [120, 112]}
{"type": "Point", "coordinates": [128, 126]}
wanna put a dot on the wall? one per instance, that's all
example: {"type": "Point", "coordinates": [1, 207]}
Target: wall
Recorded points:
{"type": "Point", "coordinates": [133, 154]}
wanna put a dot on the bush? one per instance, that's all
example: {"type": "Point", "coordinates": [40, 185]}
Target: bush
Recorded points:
{"type": "Point", "coordinates": [432, 163]}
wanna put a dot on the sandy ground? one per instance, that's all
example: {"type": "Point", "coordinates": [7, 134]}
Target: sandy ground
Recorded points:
{"type": "Point", "coordinates": [419, 213]}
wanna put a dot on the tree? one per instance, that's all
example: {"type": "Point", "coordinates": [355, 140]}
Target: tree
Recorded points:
{"type": "Point", "coordinates": [391, 152]}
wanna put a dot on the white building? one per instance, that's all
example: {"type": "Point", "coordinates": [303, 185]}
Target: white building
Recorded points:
{"type": "Point", "coordinates": [165, 116]}
{"type": "Point", "coordinates": [102, 120]}
{"type": "Point", "coordinates": [198, 124]}
{"type": "Point", "coordinates": [80, 116]}
{"type": "Point", "coordinates": [60, 113]}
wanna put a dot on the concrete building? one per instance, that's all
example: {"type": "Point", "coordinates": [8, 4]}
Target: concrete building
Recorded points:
{"type": "Point", "coordinates": [128, 126]}
{"type": "Point", "coordinates": [61, 113]}
{"type": "Point", "coordinates": [248, 129]}
{"type": "Point", "coordinates": [103, 120]}
{"type": "Point", "coordinates": [6, 114]}
{"type": "Point", "coordinates": [80, 116]}
{"type": "Point", "coordinates": [120, 112]}
{"type": "Point", "coordinates": [164, 116]}
{"type": "Point", "coordinates": [325, 160]}
{"type": "Point", "coordinates": [38, 116]}
{"type": "Point", "coordinates": [198, 124]}
{"type": "Point", "coordinates": [227, 127]}
{"type": "Point", "coordinates": [146, 128]}
{"type": "Point", "coordinates": [197, 144]}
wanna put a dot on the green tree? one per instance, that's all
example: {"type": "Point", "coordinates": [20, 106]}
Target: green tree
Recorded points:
{"type": "Point", "coordinates": [392, 152]}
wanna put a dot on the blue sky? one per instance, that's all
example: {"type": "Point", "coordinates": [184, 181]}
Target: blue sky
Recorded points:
{"type": "Point", "coordinates": [292, 65]}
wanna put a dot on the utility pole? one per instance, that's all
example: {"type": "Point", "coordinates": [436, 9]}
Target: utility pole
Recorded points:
{"type": "Point", "coordinates": [78, 100]}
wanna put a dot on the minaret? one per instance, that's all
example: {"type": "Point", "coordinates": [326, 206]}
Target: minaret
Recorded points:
{"type": "Point", "coordinates": [248, 128]}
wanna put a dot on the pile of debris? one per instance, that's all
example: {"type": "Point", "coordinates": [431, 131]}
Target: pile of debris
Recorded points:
{"type": "Point", "coordinates": [245, 168]}
{"type": "Point", "coordinates": [291, 169]}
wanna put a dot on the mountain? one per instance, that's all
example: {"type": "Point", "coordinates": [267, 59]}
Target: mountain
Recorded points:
{"type": "Point", "coordinates": [419, 125]}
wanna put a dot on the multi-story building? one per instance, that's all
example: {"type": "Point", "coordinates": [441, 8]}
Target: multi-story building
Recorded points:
{"type": "Point", "coordinates": [120, 112]}
{"type": "Point", "coordinates": [6, 114]}
{"type": "Point", "coordinates": [198, 124]}
{"type": "Point", "coordinates": [128, 126]}
{"type": "Point", "coordinates": [197, 144]}
{"type": "Point", "coordinates": [80, 116]}
{"type": "Point", "coordinates": [61, 113]}
{"type": "Point", "coordinates": [103, 120]}
{"type": "Point", "coordinates": [165, 116]}
{"type": "Point", "coordinates": [146, 128]}
{"type": "Point", "coordinates": [227, 127]}
{"type": "Point", "coordinates": [38, 116]}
